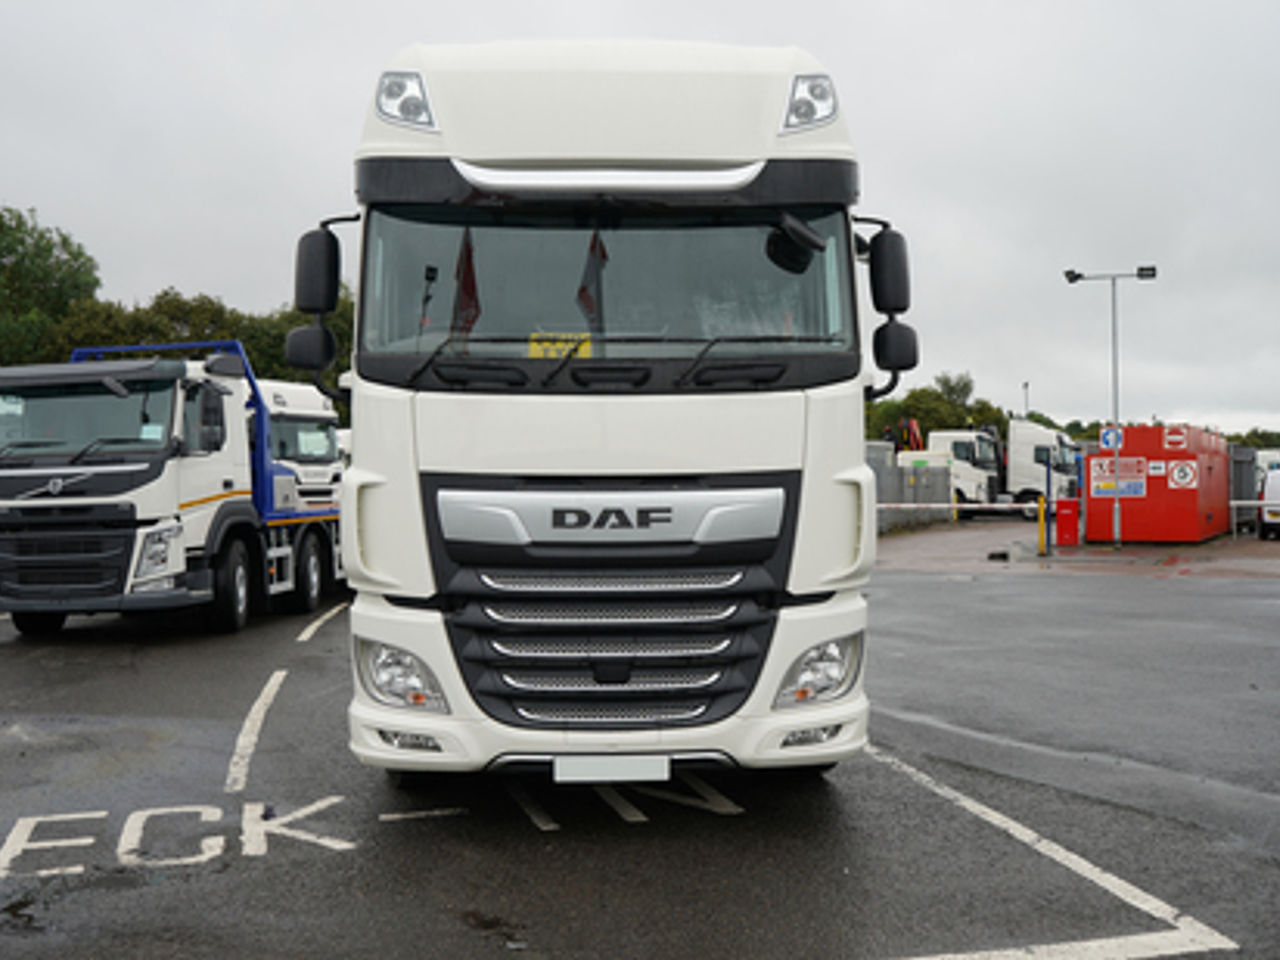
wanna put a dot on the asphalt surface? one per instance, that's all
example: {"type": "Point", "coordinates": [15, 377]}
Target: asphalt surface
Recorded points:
{"type": "Point", "coordinates": [1076, 754]}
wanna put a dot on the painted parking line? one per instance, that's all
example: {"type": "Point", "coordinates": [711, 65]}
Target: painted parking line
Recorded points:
{"type": "Point", "coordinates": [247, 742]}
{"type": "Point", "coordinates": [320, 621]}
{"type": "Point", "coordinates": [1187, 937]}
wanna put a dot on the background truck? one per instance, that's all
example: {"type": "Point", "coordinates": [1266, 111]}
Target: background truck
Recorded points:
{"type": "Point", "coordinates": [1033, 447]}
{"type": "Point", "coordinates": [972, 456]}
{"type": "Point", "coordinates": [147, 483]}
{"type": "Point", "coordinates": [608, 509]}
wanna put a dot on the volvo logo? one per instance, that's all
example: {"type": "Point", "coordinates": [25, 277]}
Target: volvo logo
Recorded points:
{"type": "Point", "coordinates": [53, 487]}
{"type": "Point", "coordinates": [609, 518]}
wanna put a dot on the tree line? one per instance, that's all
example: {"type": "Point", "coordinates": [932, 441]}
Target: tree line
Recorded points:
{"type": "Point", "coordinates": [49, 306]}
{"type": "Point", "coordinates": [949, 405]}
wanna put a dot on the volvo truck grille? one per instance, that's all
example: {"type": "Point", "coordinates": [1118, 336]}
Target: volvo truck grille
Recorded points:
{"type": "Point", "coordinates": [562, 616]}
{"type": "Point", "coordinates": [64, 553]}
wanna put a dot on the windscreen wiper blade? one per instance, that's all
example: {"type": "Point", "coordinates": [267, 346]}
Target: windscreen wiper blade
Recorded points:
{"type": "Point", "coordinates": [26, 445]}
{"type": "Point", "coordinates": [97, 443]}
{"type": "Point", "coordinates": [714, 342]}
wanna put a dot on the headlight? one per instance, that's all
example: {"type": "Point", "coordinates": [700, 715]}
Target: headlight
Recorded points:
{"type": "Point", "coordinates": [813, 102]}
{"type": "Point", "coordinates": [402, 97]}
{"type": "Point", "coordinates": [154, 556]}
{"type": "Point", "coordinates": [823, 672]}
{"type": "Point", "coordinates": [394, 676]}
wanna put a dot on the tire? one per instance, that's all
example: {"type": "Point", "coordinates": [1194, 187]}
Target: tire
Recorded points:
{"type": "Point", "coordinates": [231, 588]}
{"type": "Point", "coordinates": [1030, 510]}
{"type": "Point", "coordinates": [38, 624]}
{"type": "Point", "coordinates": [308, 575]}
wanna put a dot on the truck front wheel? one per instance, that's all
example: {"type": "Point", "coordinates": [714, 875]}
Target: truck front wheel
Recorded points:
{"type": "Point", "coordinates": [38, 624]}
{"type": "Point", "coordinates": [231, 588]}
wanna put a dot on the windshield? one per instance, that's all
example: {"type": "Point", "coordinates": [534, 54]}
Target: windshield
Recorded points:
{"type": "Point", "coordinates": [86, 420]}
{"type": "Point", "coordinates": [304, 440]}
{"type": "Point", "coordinates": [640, 284]}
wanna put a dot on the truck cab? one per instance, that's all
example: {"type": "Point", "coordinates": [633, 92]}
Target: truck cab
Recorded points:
{"type": "Point", "coordinates": [608, 508]}
{"type": "Point", "coordinates": [134, 483]}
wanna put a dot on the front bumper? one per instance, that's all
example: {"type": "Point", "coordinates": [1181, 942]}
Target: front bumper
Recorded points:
{"type": "Point", "coordinates": [469, 740]}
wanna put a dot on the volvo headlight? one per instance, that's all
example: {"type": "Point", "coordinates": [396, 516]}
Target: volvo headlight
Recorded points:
{"type": "Point", "coordinates": [396, 677]}
{"type": "Point", "coordinates": [823, 672]}
{"type": "Point", "coordinates": [156, 546]}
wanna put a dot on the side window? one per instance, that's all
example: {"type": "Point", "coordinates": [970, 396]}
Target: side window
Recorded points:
{"type": "Point", "coordinates": [204, 427]}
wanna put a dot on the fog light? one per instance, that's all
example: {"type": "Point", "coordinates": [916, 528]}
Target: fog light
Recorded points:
{"type": "Point", "coordinates": [410, 741]}
{"type": "Point", "coordinates": [804, 738]}
{"type": "Point", "coordinates": [152, 586]}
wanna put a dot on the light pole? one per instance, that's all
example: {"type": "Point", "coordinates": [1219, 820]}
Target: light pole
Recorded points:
{"type": "Point", "coordinates": [1142, 273]}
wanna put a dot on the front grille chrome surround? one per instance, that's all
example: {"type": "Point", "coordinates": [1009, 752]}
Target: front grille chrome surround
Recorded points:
{"type": "Point", "coordinates": [609, 614]}
{"type": "Point", "coordinates": [612, 583]}
{"type": "Point", "coordinates": [611, 714]}
{"type": "Point", "coordinates": [639, 648]}
{"type": "Point", "coordinates": [640, 681]}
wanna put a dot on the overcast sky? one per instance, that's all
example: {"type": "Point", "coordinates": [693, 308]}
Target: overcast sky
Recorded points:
{"type": "Point", "coordinates": [189, 144]}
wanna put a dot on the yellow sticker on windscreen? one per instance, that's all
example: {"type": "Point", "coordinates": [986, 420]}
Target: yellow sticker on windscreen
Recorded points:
{"type": "Point", "coordinates": [552, 345]}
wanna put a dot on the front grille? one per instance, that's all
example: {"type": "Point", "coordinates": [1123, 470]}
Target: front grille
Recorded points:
{"type": "Point", "coordinates": [57, 561]}
{"type": "Point", "coordinates": [615, 628]}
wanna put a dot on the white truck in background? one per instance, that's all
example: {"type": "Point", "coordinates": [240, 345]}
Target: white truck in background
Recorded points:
{"type": "Point", "coordinates": [972, 456]}
{"type": "Point", "coordinates": [136, 483]}
{"type": "Point", "coordinates": [304, 441]}
{"type": "Point", "coordinates": [608, 509]}
{"type": "Point", "coordinates": [1037, 452]}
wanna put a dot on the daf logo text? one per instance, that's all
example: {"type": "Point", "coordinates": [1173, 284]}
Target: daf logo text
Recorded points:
{"type": "Point", "coordinates": [609, 518]}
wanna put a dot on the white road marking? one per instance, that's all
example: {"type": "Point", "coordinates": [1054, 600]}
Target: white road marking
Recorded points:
{"type": "Point", "coordinates": [238, 769]}
{"type": "Point", "coordinates": [423, 814]}
{"type": "Point", "coordinates": [256, 825]}
{"type": "Point", "coordinates": [709, 798]}
{"type": "Point", "coordinates": [1188, 936]}
{"type": "Point", "coordinates": [623, 807]}
{"type": "Point", "coordinates": [541, 819]}
{"type": "Point", "coordinates": [320, 621]}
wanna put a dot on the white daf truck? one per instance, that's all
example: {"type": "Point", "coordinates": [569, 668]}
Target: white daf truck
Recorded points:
{"type": "Point", "coordinates": [608, 509]}
{"type": "Point", "coordinates": [136, 483]}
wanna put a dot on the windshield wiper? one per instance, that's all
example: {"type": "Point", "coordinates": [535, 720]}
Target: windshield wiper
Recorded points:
{"type": "Point", "coordinates": [93, 445]}
{"type": "Point", "coordinates": [714, 342]}
{"type": "Point", "coordinates": [27, 445]}
{"type": "Point", "coordinates": [430, 361]}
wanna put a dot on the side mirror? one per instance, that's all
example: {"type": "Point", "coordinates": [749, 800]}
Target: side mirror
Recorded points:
{"type": "Point", "coordinates": [312, 347]}
{"type": "Point", "coordinates": [890, 279]}
{"type": "Point", "coordinates": [315, 288]}
{"type": "Point", "coordinates": [895, 347]}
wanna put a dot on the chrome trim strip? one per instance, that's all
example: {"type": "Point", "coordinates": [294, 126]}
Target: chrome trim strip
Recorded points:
{"type": "Point", "coordinates": [534, 615]}
{"type": "Point", "coordinates": [632, 583]}
{"type": "Point", "coordinates": [649, 649]}
{"type": "Point", "coordinates": [610, 714]}
{"type": "Point", "coordinates": [654, 682]}
{"type": "Point", "coordinates": [578, 179]}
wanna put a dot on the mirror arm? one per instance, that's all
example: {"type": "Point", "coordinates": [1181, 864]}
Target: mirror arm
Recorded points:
{"type": "Point", "coordinates": [871, 392]}
{"type": "Point", "coordinates": [338, 396]}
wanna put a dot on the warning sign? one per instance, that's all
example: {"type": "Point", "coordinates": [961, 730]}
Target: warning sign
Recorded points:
{"type": "Point", "coordinates": [1132, 479]}
{"type": "Point", "coordinates": [1184, 475]}
{"type": "Point", "coordinates": [1175, 438]}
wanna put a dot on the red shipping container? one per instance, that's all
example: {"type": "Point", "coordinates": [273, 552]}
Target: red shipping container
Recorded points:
{"type": "Point", "coordinates": [1174, 483]}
